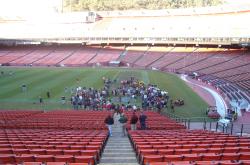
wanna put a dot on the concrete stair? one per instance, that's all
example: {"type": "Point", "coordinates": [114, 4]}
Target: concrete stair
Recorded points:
{"type": "Point", "coordinates": [118, 150]}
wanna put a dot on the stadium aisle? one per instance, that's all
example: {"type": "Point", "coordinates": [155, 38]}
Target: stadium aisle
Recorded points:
{"type": "Point", "coordinates": [118, 150]}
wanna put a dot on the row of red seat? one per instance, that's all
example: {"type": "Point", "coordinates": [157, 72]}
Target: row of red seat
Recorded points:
{"type": "Point", "coordinates": [176, 151]}
{"type": "Point", "coordinates": [5, 116]}
{"type": "Point", "coordinates": [8, 158]}
{"type": "Point", "coordinates": [82, 120]}
{"type": "Point", "coordinates": [147, 159]}
{"type": "Point", "coordinates": [50, 163]}
{"type": "Point", "coordinates": [94, 150]}
{"type": "Point", "coordinates": [221, 162]}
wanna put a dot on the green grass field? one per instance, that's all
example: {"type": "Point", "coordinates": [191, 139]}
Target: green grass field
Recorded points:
{"type": "Point", "coordinates": [55, 80]}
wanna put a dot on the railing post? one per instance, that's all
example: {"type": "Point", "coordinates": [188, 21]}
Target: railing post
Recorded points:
{"type": "Point", "coordinates": [241, 130]}
{"type": "Point", "coordinates": [226, 128]}
{"type": "Point", "coordinates": [205, 125]}
{"type": "Point", "coordinates": [223, 129]}
{"type": "Point", "coordinates": [210, 125]}
{"type": "Point", "coordinates": [232, 128]}
{"type": "Point", "coordinates": [216, 128]}
{"type": "Point", "coordinates": [189, 124]}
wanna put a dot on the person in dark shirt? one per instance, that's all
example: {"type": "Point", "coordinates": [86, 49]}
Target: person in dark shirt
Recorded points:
{"type": "Point", "coordinates": [142, 120]}
{"type": "Point", "coordinates": [40, 100]}
{"type": "Point", "coordinates": [48, 94]}
{"type": "Point", "coordinates": [123, 120]}
{"type": "Point", "coordinates": [109, 121]}
{"type": "Point", "coordinates": [133, 121]}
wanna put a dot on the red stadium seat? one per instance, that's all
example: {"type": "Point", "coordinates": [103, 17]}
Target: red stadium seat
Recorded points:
{"type": "Point", "coordinates": [159, 163]}
{"type": "Point", "coordinates": [38, 151]}
{"type": "Point", "coordinates": [54, 152]}
{"type": "Point", "coordinates": [207, 163]}
{"type": "Point", "coordinates": [192, 157]}
{"type": "Point", "coordinates": [181, 163]}
{"type": "Point", "coordinates": [21, 151]}
{"type": "Point", "coordinates": [245, 162]}
{"type": "Point", "coordinates": [231, 149]}
{"type": "Point", "coordinates": [24, 158]}
{"type": "Point", "coordinates": [166, 151]}
{"type": "Point", "coordinates": [229, 162]}
{"type": "Point", "coordinates": [44, 158]}
{"type": "Point", "coordinates": [64, 158]}
{"type": "Point", "coordinates": [211, 157]}
{"type": "Point", "coordinates": [245, 156]}
{"type": "Point", "coordinates": [77, 147]}
{"type": "Point", "coordinates": [7, 158]}
{"type": "Point", "coordinates": [32, 163]}
{"type": "Point", "coordinates": [198, 150]}
{"type": "Point", "coordinates": [170, 158]}
{"type": "Point", "coordinates": [215, 150]}
{"type": "Point", "coordinates": [151, 158]}
{"type": "Point", "coordinates": [62, 147]}
{"type": "Point", "coordinates": [56, 163]}
{"type": "Point", "coordinates": [85, 159]}
{"type": "Point", "coordinates": [71, 152]}
{"type": "Point", "coordinates": [230, 156]}
{"type": "Point", "coordinates": [182, 151]}
{"type": "Point", "coordinates": [6, 151]}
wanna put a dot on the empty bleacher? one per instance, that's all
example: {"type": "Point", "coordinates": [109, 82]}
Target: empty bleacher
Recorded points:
{"type": "Point", "coordinates": [56, 136]}
{"type": "Point", "coordinates": [106, 55]}
{"type": "Point", "coordinates": [233, 60]}
{"type": "Point", "coordinates": [81, 57]}
{"type": "Point", "coordinates": [55, 57]}
{"type": "Point", "coordinates": [188, 147]}
{"type": "Point", "coordinates": [147, 59]}
{"type": "Point", "coordinates": [10, 55]}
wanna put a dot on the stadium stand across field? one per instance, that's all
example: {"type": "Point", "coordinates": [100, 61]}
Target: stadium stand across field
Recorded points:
{"type": "Point", "coordinates": [220, 67]}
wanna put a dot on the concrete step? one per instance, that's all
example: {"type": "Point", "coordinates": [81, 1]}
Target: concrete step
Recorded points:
{"type": "Point", "coordinates": [119, 139]}
{"type": "Point", "coordinates": [118, 142]}
{"type": "Point", "coordinates": [118, 160]}
{"type": "Point", "coordinates": [118, 151]}
{"type": "Point", "coordinates": [118, 146]}
{"type": "Point", "coordinates": [114, 154]}
{"type": "Point", "coordinates": [122, 142]}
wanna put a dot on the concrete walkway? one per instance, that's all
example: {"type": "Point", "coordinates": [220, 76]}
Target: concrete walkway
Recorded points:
{"type": "Point", "coordinates": [118, 150]}
{"type": "Point", "coordinates": [220, 103]}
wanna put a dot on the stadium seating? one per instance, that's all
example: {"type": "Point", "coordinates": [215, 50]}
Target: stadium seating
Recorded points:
{"type": "Point", "coordinates": [105, 55]}
{"type": "Point", "coordinates": [55, 139]}
{"type": "Point", "coordinates": [80, 57]}
{"type": "Point", "coordinates": [188, 147]}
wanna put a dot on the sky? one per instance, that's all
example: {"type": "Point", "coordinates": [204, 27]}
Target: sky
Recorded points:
{"type": "Point", "coordinates": [27, 7]}
{"type": "Point", "coordinates": [46, 7]}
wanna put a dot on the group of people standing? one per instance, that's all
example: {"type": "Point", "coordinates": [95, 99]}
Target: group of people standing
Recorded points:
{"type": "Point", "coordinates": [149, 95]}
{"type": "Point", "coordinates": [109, 121]}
